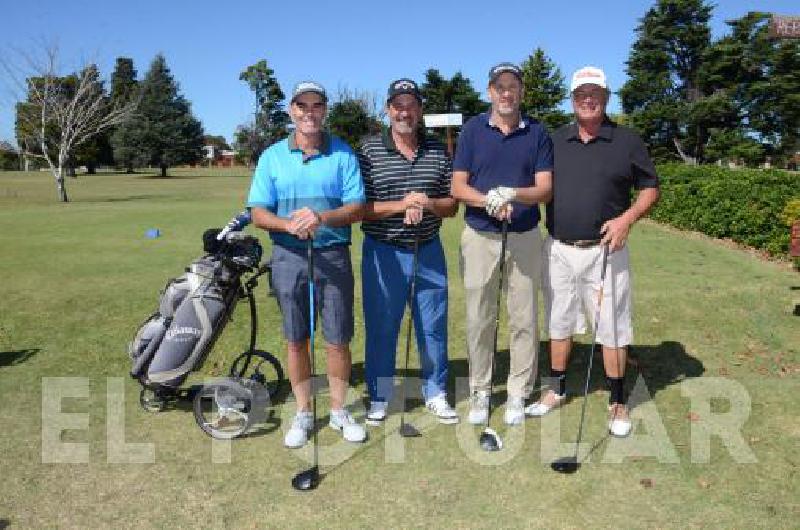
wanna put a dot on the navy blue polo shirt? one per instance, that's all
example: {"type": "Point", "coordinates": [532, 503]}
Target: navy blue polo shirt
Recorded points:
{"type": "Point", "coordinates": [494, 159]}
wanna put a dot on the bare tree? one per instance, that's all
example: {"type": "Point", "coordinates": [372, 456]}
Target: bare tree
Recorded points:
{"type": "Point", "coordinates": [63, 112]}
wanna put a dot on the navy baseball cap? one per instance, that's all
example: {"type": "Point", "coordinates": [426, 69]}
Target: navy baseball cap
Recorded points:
{"type": "Point", "coordinates": [403, 86]}
{"type": "Point", "coordinates": [502, 68]}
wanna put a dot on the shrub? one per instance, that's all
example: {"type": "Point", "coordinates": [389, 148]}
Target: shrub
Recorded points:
{"type": "Point", "coordinates": [744, 205]}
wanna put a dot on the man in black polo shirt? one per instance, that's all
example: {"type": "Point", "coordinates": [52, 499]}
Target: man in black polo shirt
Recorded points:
{"type": "Point", "coordinates": [407, 186]}
{"type": "Point", "coordinates": [597, 164]}
{"type": "Point", "coordinates": [502, 169]}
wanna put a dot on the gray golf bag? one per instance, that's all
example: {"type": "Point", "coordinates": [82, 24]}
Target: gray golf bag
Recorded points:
{"type": "Point", "coordinates": [192, 312]}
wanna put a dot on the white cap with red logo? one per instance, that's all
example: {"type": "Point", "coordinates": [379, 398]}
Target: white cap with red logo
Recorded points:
{"type": "Point", "coordinates": [588, 75]}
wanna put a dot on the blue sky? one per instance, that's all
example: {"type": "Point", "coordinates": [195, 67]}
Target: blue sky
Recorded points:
{"type": "Point", "coordinates": [359, 44]}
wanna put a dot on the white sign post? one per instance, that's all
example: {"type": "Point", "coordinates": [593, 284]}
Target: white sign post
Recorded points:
{"type": "Point", "coordinates": [448, 121]}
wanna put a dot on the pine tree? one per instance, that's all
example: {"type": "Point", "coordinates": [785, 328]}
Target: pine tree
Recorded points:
{"type": "Point", "coordinates": [544, 90]}
{"type": "Point", "coordinates": [663, 77]}
{"type": "Point", "coordinates": [270, 119]}
{"type": "Point", "coordinates": [164, 128]}
{"type": "Point", "coordinates": [124, 88]}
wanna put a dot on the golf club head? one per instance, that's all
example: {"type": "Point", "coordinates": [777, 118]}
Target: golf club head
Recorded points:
{"type": "Point", "coordinates": [566, 465]}
{"type": "Point", "coordinates": [490, 440]}
{"type": "Point", "coordinates": [408, 431]}
{"type": "Point", "coordinates": [306, 480]}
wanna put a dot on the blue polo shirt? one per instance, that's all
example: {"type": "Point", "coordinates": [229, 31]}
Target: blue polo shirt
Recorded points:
{"type": "Point", "coordinates": [286, 179]}
{"type": "Point", "coordinates": [494, 159]}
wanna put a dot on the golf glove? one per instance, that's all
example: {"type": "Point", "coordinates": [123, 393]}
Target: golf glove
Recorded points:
{"type": "Point", "coordinates": [498, 197]}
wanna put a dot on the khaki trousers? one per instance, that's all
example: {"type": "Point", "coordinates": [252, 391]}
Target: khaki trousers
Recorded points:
{"type": "Point", "coordinates": [480, 268]}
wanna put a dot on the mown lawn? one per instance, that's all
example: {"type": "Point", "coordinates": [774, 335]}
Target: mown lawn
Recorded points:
{"type": "Point", "coordinates": [78, 278]}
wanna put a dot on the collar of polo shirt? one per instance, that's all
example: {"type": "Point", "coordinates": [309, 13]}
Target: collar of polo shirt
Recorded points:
{"type": "Point", "coordinates": [606, 131]}
{"type": "Point", "coordinates": [325, 148]}
{"type": "Point", "coordinates": [522, 122]}
{"type": "Point", "coordinates": [388, 140]}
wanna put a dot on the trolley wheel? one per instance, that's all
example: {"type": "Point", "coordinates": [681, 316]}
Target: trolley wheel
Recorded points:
{"type": "Point", "coordinates": [151, 400]}
{"type": "Point", "coordinates": [224, 409]}
{"type": "Point", "coordinates": [262, 368]}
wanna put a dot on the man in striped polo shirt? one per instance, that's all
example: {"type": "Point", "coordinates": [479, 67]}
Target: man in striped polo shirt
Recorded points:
{"type": "Point", "coordinates": [407, 186]}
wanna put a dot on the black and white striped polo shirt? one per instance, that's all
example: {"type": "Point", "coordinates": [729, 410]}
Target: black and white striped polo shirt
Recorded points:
{"type": "Point", "coordinates": [389, 176]}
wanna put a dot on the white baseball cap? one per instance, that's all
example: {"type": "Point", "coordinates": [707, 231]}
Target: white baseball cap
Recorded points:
{"type": "Point", "coordinates": [588, 75]}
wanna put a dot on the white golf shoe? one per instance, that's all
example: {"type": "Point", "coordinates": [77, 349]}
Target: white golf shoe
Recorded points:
{"type": "Point", "coordinates": [439, 407]}
{"type": "Point", "coordinates": [549, 402]}
{"type": "Point", "coordinates": [515, 411]}
{"type": "Point", "coordinates": [342, 420]}
{"type": "Point", "coordinates": [479, 408]}
{"type": "Point", "coordinates": [619, 424]}
{"type": "Point", "coordinates": [377, 412]}
{"type": "Point", "coordinates": [297, 435]}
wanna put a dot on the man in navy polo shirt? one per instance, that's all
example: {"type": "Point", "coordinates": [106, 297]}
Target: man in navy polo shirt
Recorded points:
{"type": "Point", "coordinates": [502, 170]}
{"type": "Point", "coordinates": [309, 186]}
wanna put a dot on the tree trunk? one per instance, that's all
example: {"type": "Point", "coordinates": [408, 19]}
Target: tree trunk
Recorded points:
{"type": "Point", "coordinates": [62, 188]}
{"type": "Point", "coordinates": [129, 169]}
{"type": "Point", "coordinates": [71, 171]}
{"type": "Point", "coordinates": [163, 171]}
{"type": "Point", "coordinates": [91, 168]}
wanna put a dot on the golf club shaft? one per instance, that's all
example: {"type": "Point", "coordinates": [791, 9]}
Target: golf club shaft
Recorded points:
{"type": "Point", "coordinates": [503, 243]}
{"type": "Point", "coordinates": [312, 324]}
{"type": "Point", "coordinates": [411, 292]}
{"type": "Point", "coordinates": [591, 352]}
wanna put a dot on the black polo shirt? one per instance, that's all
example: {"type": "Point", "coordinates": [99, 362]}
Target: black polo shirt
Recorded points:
{"type": "Point", "coordinates": [592, 181]}
{"type": "Point", "coordinates": [389, 176]}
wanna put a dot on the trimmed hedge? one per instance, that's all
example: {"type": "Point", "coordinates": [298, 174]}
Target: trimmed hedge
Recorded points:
{"type": "Point", "coordinates": [745, 205]}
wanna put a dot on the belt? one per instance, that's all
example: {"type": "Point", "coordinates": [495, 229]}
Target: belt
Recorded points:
{"type": "Point", "coordinates": [580, 243]}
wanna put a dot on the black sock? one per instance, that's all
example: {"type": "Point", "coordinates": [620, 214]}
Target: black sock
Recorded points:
{"type": "Point", "coordinates": [616, 385]}
{"type": "Point", "coordinates": [561, 375]}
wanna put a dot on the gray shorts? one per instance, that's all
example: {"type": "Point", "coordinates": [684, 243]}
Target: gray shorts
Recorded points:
{"type": "Point", "coordinates": [333, 289]}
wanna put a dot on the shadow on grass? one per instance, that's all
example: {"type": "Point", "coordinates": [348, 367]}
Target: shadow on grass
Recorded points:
{"type": "Point", "coordinates": [189, 177]}
{"type": "Point", "coordinates": [4, 523]}
{"type": "Point", "coordinates": [10, 358]}
{"type": "Point", "coordinates": [660, 365]}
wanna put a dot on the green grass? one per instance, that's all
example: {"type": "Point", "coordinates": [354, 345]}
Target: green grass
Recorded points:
{"type": "Point", "coordinates": [78, 278]}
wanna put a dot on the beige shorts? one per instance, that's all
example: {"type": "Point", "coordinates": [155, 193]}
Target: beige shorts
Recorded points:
{"type": "Point", "coordinates": [571, 282]}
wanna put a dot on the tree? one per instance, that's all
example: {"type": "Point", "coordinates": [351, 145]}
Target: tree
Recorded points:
{"type": "Point", "coordinates": [663, 77]}
{"type": "Point", "coordinates": [9, 157]}
{"type": "Point", "coordinates": [164, 128]}
{"type": "Point", "coordinates": [454, 95]}
{"type": "Point", "coordinates": [270, 119]}
{"type": "Point", "coordinates": [544, 90]}
{"type": "Point", "coordinates": [354, 115]}
{"type": "Point", "coordinates": [59, 114]}
{"type": "Point", "coordinates": [124, 89]}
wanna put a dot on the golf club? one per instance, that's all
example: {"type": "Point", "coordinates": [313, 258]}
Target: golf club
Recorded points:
{"type": "Point", "coordinates": [406, 429]}
{"type": "Point", "coordinates": [570, 464]}
{"type": "Point", "coordinates": [309, 479]}
{"type": "Point", "coordinates": [490, 440]}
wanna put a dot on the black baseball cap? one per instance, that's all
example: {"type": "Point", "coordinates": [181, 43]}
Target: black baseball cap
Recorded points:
{"type": "Point", "coordinates": [502, 68]}
{"type": "Point", "coordinates": [403, 86]}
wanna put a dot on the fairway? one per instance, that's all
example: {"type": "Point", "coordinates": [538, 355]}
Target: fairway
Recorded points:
{"type": "Point", "coordinates": [715, 342]}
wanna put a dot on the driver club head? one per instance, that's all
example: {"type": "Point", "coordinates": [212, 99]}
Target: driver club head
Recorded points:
{"type": "Point", "coordinates": [566, 465]}
{"type": "Point", "coordinates": [408, 431]}
{"type": "Point", "coordinates": [490, 440]}
{"type": "Point", "coordinates": [306, 480]}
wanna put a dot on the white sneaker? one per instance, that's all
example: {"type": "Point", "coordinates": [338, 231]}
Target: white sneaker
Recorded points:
{"type": "Point", "coordinates": [479, 408]}
{"type": "Point", "coordinates": [515, 411]}
{"type": "Point", "coordinates": [549, 402]}
{"type": "Point", "coordinates": [343, 421]}
{"type": "Point", "coordinates": [619, 424]}
{"type": "Point", "coordinates": [377, 412]}
{"type": "Point", "coordinates": [297, 435]}
{"type": "Point", "coordinates": [440, 408]}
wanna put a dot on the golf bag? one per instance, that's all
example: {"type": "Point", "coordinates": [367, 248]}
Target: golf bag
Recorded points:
{"type": "Point", "coordinates": [193, 310]}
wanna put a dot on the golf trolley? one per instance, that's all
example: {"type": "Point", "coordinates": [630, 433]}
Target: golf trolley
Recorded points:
{"type": "Point", "coordinates": [193, 311]}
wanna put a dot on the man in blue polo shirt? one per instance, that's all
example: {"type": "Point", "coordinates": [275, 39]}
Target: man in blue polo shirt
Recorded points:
{"type": "Point", "coordinates": [309, 186]}
{"type": "Point", "coordinates": [502, 169]}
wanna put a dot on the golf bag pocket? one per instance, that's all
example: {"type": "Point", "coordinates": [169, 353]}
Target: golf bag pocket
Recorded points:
{"type": "Point", "coordinates": [193, 329]}
{"type": "Point", "coordinates": [145, 343]}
